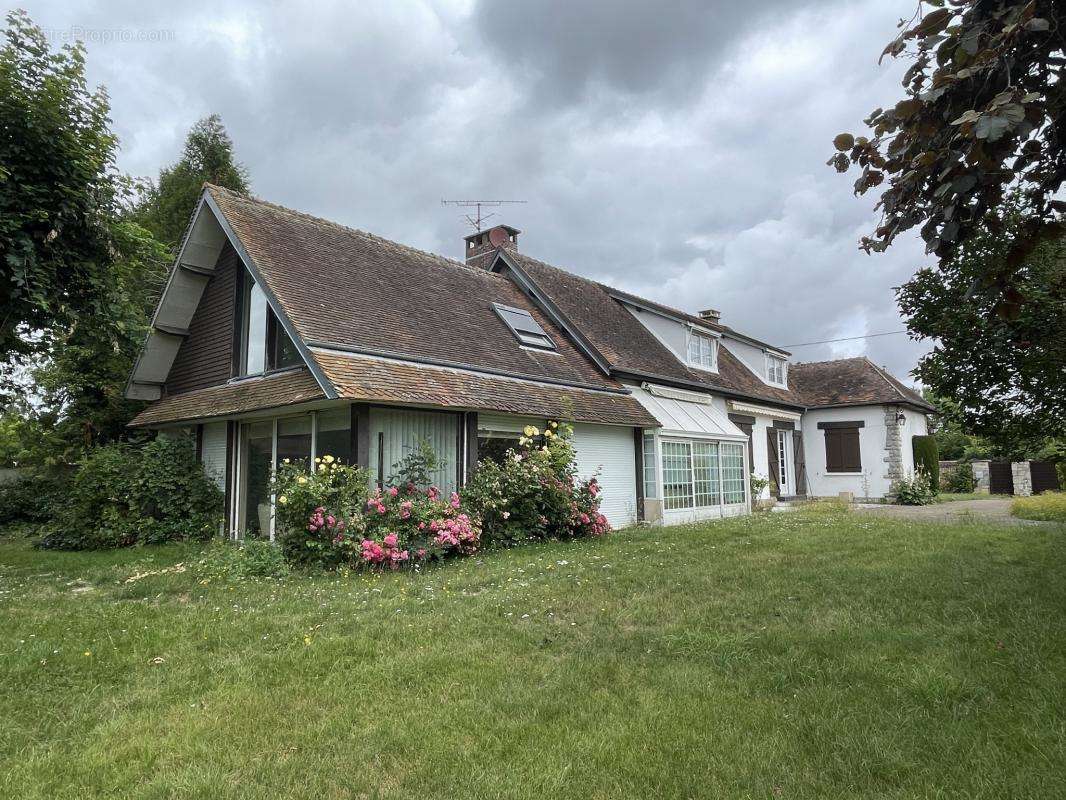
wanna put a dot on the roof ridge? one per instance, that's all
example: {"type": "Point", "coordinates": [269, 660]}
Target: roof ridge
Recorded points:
{"type": "Point", "coordinates": [891, 380]}
{"type": "Point", "coordinates": [829, 361]}
{"type": "Point", "coordinates": [311, 218]}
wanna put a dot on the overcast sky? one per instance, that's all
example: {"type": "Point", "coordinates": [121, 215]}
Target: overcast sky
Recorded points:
{"type": "Point", "coordinates": [673, 149]}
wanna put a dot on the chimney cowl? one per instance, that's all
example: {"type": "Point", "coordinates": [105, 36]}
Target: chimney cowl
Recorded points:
{"type": "Point", "coordinates": [711, 315]}
{"type": "Point", "coordinates": [482, 246]}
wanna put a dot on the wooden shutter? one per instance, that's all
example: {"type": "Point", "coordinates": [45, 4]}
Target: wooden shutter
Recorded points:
{"type": "Point", "coordinates": [800, 462]}
{"type": "Point", "coordinates": [771, 455]}
{"type": "Point", "coordinates": [842, 453]}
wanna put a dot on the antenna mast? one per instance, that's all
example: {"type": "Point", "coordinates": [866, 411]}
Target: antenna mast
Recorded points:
{"type": "Point", "coordinates": [477, 219]}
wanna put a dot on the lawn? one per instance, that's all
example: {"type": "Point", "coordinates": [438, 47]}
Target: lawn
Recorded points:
{"type": "Point", "coordinates": [805, 655]}
{"type": "Point", "coordinates": [1047, 507]}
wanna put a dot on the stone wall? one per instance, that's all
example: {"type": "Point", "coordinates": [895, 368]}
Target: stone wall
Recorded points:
{"type": "Point", "coordinates": [893, 444]}
{"type": "Point", "coordinates": [1023, 479]}
{"type": "Point", "coordinates": [982, 479]}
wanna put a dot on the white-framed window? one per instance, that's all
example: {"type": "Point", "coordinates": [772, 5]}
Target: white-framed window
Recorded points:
{"type": "Point", "coordinates": [776, 370]}
{"type": "Point", "coordinates": [702, 474]}
{"type": "Point", "coordinates": [650, 464]}
{"type": "Point", "coordinates": [702, 350]}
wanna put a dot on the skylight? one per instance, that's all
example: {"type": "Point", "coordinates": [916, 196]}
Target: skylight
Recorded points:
{"type": "Point", "coordinates": [524, 327]}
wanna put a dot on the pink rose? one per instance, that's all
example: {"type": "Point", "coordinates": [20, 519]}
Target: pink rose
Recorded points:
{"type": "Point", "coordinates": [393, 491]}
{"type": "Point", "coordinates": [390, 540]}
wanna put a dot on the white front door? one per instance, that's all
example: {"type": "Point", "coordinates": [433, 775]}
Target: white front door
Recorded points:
{"type": "Point", "coordinates": [784, 462]}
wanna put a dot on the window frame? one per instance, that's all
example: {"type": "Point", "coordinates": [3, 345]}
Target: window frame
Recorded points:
{"type": "Point", "coordinates": [700, 339]}
{"type": "Point", "coordinates": [773, 364]}
{"type": "Point", "coordinates": [711, 484]}
{"type": "Point", "coordinates": [840, 435]}
{"type": "Point", "coordinates": [531, 333]}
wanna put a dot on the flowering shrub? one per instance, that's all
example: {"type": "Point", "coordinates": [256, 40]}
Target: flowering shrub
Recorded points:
{"type": "Point", "coordinates": [534, 493]}
{"type": "Point", "coordinates": [312, 508]}
{"type": "Point", "coordinates": [330, 518]}
{"type": "Point", "coordinates": [410, 526]}
{"type": "Point", "coordinates": [913, 490]}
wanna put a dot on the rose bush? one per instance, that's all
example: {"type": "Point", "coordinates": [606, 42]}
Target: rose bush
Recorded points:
{"type": "Point", "coordinates": [535, 493]}
{"type": "Point", "coordinates": [329, 517]}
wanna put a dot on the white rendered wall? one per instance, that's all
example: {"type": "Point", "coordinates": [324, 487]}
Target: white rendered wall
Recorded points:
{"type": "Point", "coordinates": [873, 481]}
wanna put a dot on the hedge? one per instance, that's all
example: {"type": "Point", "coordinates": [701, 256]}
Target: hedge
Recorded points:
{"type": "Point", "coordinates": [927, 458]}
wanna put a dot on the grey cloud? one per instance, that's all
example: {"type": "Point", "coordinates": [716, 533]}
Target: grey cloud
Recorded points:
{"type": "Point", "coordinates": [677, 151]}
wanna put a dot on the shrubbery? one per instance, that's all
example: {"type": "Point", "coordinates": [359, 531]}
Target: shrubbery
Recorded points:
{"type": "Point", "coordinates": [927, 459]}
{"type": "Point", "coordinates": [958, 479]}
{"type": "Point", "coordinates": [913, 490]}
{"type": "Point", "coordinates": [126, 494]}
{"type": "Point", "coordinates": [328, 517]}
{"type": "Point", "coordinates": [534, 493]}
{"type": "Point", "coordinates": [339, 490]}
{"type": "Point", "coordinates": [33, 498]}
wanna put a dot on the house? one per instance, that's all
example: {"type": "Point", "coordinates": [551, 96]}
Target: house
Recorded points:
{"type": "Point", "coordinates": [281, 335]}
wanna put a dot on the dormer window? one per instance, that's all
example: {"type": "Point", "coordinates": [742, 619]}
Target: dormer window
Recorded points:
{"type": "Point", "coordinates": [702, 350]}
{"type": "Point", "coordinates": [776, 370]}
{"type": "Point", "coordinates": [526, 329]}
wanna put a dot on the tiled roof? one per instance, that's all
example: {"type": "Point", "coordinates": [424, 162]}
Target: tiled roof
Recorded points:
{"type": "Point", "coordinates": [849, 381]}
{"type": "Point", "coordinates": [348, 288]}
{"type": "Point", "coordinates": [628, 346]}
{"type": "Point", "coordinates": [360, 377]}
{"type": "Point", "coordinates": [252, 394]}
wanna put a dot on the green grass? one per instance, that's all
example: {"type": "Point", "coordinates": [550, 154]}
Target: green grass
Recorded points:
{"type": "Point", "coordinates": [1049, 507]}
{"type": "Point", "coordinates": [816, 654]}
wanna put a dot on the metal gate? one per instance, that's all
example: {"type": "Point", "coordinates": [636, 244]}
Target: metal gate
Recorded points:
{"type": "Point", "coordinates": [1000, 477]}
{"type": "Point", "coordinates": [1043, 476]}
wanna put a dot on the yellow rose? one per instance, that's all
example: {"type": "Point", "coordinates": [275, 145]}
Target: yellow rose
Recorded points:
{"type": "Point", "coordinates": [530, 431]}
{"type": "Point", "coordinates": [318, 460]}
{"type": "Point", "coordinates": [328, 459]}
{"type": "Point", "coordinates": [283, 499]}
{"type": "Point", "coordinates": [301, 480]}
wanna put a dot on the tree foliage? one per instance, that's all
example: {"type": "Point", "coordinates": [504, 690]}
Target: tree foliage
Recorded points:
{"type": "Point", "coordinates": [166, 206]}
{"type": "Point", "coordinates": [983, 111]}
{"type": "Point", "coordinates": [973, 155]}
{"type": "Point", "coordinates": [58, 189]}
{"type": "Point", "coordinates": [1007, 378]}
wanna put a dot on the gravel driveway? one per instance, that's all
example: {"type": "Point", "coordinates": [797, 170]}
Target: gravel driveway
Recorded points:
{"type": "Point", "coordinates": [987, 509]}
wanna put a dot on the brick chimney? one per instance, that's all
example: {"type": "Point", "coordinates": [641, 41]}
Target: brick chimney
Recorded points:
{"type": "Point", "coordinates": [481, 247]}
{"type": "Point", "coordinates": [711, 315]}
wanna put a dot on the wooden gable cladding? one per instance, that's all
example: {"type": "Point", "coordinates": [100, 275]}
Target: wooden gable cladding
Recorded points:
{"type": "Point", "coordinates": [206, 356]}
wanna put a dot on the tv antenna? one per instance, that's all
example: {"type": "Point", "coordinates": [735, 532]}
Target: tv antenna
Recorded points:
{"type": "Point", "coordinates": [477, 218]}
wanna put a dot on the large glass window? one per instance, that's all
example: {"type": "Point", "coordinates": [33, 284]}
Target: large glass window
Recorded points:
{"type": "Point", "coordinates": [705, 471]}
{"type": "Point", "coordinates": [733, 472]}
{"type": "Point", "coordinates": [677, 475]}
{"type": "Point", "coordinates": [282, 351]}
{"type": "Point", "coordinates": [253, 328]}
{"type": "Point", "coordinates": [294, 440]}
{"type": "Point", "coordinates": [256, 456]}
{"type": "Point", "coordinates": [702, 474]}
{"type": "Point", "coordinates": [650, 461]}
{"type": "Point", "coordinates": [334, 436]}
